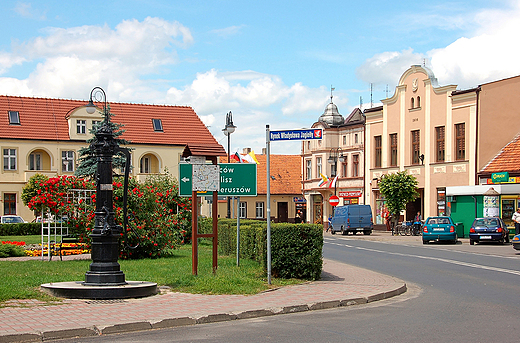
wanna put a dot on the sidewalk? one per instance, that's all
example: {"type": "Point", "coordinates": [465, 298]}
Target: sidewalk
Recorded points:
{"type": "Point", "coordinates": [341, 285]}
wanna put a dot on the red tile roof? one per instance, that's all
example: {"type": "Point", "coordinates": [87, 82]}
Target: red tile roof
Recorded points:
{"type": "Point", "coordinates": [507, 159]}
{"type": "Point", "coordinates": [46, 119]}
{"type": "Point", "coordinates": [286, 170]}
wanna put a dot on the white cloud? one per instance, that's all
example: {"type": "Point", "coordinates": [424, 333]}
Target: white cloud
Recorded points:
{"type": "Point", "coordinates": [7, 60]}
{"type": "Point", "coordinates": [27, 11]}
{"type": "Point", "coordinates": [74, 59]}
{"type": "Point", "coordinates": [488, 53]}
{"type": "Point", "coordinates": [491, 54]}
{"type": "Point", "coordinates": [228, 31]}
{"type": "Point", "coordinates": [387, 67]}
{"type": "Point", "coordinates": [255, 100]}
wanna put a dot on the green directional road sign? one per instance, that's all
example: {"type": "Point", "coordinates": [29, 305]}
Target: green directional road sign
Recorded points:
{"type": "Point", "coordinates": [236, 179]}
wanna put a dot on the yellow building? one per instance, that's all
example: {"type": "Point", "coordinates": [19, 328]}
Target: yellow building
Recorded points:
{"type": "Point", "coordinates": [39, 135]}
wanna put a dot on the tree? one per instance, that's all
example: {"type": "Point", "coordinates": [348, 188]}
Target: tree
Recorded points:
{"type": "Point", "coordinates": [398, 189]}
{"type": "Point", "coordinates": [87, 161]}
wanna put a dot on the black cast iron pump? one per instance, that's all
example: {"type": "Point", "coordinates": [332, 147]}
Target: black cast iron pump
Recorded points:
{"type": "Point", "coordinates": [105, 269]}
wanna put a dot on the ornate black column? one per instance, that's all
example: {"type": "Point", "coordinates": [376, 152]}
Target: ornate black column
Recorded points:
{"type": "Point", "coordinates": [104, 269]}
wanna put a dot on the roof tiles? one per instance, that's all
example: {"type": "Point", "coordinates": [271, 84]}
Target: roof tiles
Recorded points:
{"type": "Point", "coordinates": [285, 170]}
{"type": "Point", "coordinates": [42, 118]}
{"type": "Point", "coordinates": [508, 159]}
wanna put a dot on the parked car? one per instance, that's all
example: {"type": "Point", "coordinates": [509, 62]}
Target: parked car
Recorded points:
{"type": "Point", "coordinates": [352, 218]}
{"type": "Point", "coordinates": [488, 230]}
{"type": "Point", "coordinates": [11, 219]}
{"type": "Point", "coordinates": [439, 228]}
{"type": "Point", "coordinates": [516, 242]}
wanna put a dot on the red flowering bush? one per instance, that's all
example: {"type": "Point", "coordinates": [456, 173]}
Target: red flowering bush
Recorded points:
{"type": "Point", "coordinates": [158, 217]}
{"type": "Point", "coordinates": [56, 196]}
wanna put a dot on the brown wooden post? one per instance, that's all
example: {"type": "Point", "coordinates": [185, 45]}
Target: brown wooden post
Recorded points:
{"type": "Point", "coordinates": [194, 233]}
{"type": "Point", "coordinates": [215, 225]}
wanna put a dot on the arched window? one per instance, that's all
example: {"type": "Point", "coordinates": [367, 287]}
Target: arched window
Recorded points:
{"type": "Point", "coordinates": [418, 101]}
{"type": "Point", "coordinates": [412, 103]}
{"type": "Point", "coordinates": [149, 164]}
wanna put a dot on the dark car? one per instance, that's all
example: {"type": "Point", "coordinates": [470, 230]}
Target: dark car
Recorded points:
{"type": "Point", "coordinates": [439, 228]}
{"type": "Point", "coordinates": [490, 229]}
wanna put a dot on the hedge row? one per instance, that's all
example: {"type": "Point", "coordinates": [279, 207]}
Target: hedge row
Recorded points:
{"type": "Point", "coordinates": [20, 229]}
{"type": "Point", "coordinates": [296, 249]}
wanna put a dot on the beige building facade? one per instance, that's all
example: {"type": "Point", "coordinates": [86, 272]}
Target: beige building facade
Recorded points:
{"type": "Point", "coordinates": [339, 153]}
{"type": "Point", "coordinates": [426, 130]}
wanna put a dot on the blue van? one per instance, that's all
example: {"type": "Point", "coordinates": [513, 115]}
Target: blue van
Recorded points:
{"type": "Point", "coordinates": [352, 218]}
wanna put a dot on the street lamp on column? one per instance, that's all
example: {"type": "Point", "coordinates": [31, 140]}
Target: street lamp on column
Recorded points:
{"type": "Point", "coordinates": [228, 130]}
{"type": "Point", "coordinates": [335, 155]}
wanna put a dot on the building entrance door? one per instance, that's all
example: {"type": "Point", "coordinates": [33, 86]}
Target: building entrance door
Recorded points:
{"type": "Point", "coordinates": [283, 212]}
{"type": "Point", "coordinates": [317, 213]}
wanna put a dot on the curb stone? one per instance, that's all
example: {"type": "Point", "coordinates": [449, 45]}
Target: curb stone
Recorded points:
{"type": "Point", "coordinates": [187, 321]}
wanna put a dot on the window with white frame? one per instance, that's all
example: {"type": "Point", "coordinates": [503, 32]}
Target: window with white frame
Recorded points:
{"type": "Point", "coordinates": [243, 210]}
{"type": "Point", "coordinates": [146, 164]}
{"type": "Point", "coordinates": [308, 169]}
{"type": "Point", "coordinates": [260, 209]}
{"type": "Point", "coordinates": [9, 159]}
{"type": "Point", "coordinates": [67, 161]}
{"type": "Point", "coordinates": [35, 161]}
{"type": "Point", "coordinates": [318, 167]}
{"type": "Point", "coordinates": [81, 127]}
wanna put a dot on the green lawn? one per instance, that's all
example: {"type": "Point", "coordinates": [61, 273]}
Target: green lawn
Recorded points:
{"type": "Point", "coordinates": [33, 239]}
{"type": "Point", "coordinates": [21, 280]}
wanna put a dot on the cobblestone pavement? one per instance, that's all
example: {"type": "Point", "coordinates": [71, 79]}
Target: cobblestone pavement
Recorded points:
{"type": "Point", "coordinates": [341, 285]}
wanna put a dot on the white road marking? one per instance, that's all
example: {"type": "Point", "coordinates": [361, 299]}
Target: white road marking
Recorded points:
{"type": "Point", "coordinates": [460, 263]}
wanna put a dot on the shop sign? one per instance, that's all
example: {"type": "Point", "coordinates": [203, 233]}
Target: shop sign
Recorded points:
{"type": "Point", "coordinates": [299, 200]}
{"type": "Point", "coordinates": [350, 194]}
{"type": "Point", "coordinates": [512, 179]}
{"type": "Point", "coordinates": [500, 177]}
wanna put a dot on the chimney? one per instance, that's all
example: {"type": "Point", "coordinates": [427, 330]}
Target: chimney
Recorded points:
{"type": "Point", "coordinates": [263, 151]}
{"type": "Point", "coordinates": [246, 150]}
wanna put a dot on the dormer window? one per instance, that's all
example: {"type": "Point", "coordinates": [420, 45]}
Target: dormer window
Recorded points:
{"type": "Point", "coordinates": [81, 127]}
{"type": "Point", "coordinates": [157, 125]}
{"type": "Point", "coordinates": [14, 118]}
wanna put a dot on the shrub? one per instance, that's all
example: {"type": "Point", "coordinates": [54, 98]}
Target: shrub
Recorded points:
{"type": "Point", "coordinates": [158, 216]}
{"type": "Point", "coordinates": [9, 250]}
{"type": "Point", "coordinates": [20, 229]}
{"type": "Point", "coordinates": [296, 249]}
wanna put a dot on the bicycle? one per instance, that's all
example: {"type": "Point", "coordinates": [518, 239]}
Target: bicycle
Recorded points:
{"type": "Point", "coordinates": [405, 228]}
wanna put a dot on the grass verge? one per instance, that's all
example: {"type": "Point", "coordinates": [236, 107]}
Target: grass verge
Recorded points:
{"type": "Point", "coordinates": [21, 280]}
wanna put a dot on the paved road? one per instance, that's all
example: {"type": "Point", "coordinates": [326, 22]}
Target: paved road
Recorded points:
{"type": "Point", "coordinates": [456, 293]}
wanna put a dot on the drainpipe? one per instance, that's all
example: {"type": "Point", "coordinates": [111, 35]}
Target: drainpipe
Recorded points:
{"type": "Point", "coordinates": [475, 200]}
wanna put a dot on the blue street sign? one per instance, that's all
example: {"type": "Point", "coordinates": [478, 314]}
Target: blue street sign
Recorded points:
{"type": "Point", "coordinates": [289, 135]}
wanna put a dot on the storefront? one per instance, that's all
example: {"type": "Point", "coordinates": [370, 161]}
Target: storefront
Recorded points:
{"type": "Point", "coordinates": [465, 203]}
{"type": "Point", "coordinates": [300, 205]}
{"type": "Point", "coordinates": [350, 197]}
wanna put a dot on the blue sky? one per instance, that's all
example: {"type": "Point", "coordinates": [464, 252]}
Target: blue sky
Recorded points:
{"type": "Point", "coordinates": [269, 62]}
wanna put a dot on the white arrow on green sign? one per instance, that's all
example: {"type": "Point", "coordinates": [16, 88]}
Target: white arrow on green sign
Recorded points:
{"type": "Point", "coordinates": [236, 179]}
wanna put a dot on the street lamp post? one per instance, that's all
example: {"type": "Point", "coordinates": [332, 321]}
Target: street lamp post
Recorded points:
{"type": "Point", "coordinates": [228, 130]}
{"type": "Point", "coordinates": [104, 268]}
